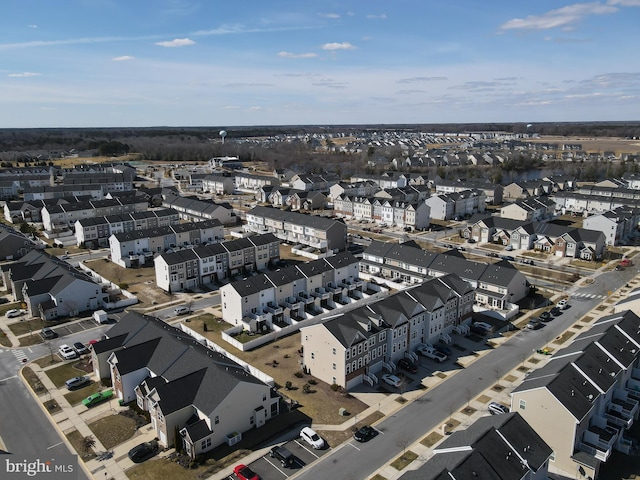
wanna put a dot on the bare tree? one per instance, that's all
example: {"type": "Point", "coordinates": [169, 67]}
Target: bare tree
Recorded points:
{"type": "Point", "coordinates": [468, 395]}
{"type": "Point", "coordinates": [88, 443]}
{"type": "Point", "coordinates": [403, 442]}
{"type": "Point", "coordinates": [498, 373]}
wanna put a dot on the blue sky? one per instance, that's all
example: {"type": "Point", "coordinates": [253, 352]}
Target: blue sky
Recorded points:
{"type": "Point", "coordinates": [81, 63]}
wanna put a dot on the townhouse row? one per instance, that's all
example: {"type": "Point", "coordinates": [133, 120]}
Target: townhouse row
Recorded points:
{"type": "Point", "coordinates": [273, 300]}
{"type": "Point", "coordinates": [137, 247]}
{"type": "Point", "coordinates": [95, 232]}
{"type": "Point", "coordinates": [498, 286]}
{"type": "Point", "coordinates": [356, 347]}
{"type": "Point", "coordinates": [195, 209]}
{"type": "Point", "coordinates": [206, 264]}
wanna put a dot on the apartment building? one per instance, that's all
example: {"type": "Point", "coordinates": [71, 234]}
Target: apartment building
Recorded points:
{"type": "Point", "coordinates": [492, 191]}
{"type": "Point", "coordinates": [584, 400]}
{"type": "Point", "coordinates": [217, 184]}
{"type": "Point", "coordinates": [619, 226]}
{"type": "Point", "coordinates": [355, 347]}
{"type": "Point", "coordinates": [194, 209]}
{"type": "Point", "coordinates": [529, 209]}
{"type": "Point", "coordinates": [461, 204]}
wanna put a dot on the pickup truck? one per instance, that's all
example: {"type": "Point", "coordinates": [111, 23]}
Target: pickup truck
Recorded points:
{"type": "Point", "coordinates": [432, 353]}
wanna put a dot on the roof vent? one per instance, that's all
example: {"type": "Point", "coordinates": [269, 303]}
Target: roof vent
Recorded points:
{"type": "Point", "coordinates": [572, 392]}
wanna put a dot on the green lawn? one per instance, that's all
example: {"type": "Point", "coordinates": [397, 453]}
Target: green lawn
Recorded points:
{"type": "Point", "coordinates": [8, 306]}
{"type": "Point", "coordinates": [61, 374]}
{"type": "Point", "coordinates": [404, 460]}
{"type": "Point", "coordinates": [26, 326]}
{"type": "Point", "coordinates": [76, 396]}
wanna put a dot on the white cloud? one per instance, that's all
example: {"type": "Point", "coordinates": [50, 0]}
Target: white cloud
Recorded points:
{"type": "Point", "coordinates": [329, 15]}
{"type": "Point", "coordinates": [33, 25]}
{"type": "Point", "coordinates": [297, 55]}
{"type": "Point", "coordinates": [561, 17]}
{"type": "Point", "coordinates": [421, 79]}
{"type": "Point", "coordinates": [123, 58]}
{"type": "Point", "coordinates": [24, 74]}
{"type": "Point", "coordinates": [382, 16]}
{"type": "Point", "coordinates": [625, 3]}
{"type": "Point", "coordinates": [176, 42]}
{"type": "Point", "coordinates": [338, 46]}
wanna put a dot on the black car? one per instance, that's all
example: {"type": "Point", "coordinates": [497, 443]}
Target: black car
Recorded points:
{"type": "Point", "coordinates": [283, 454]}
{"type": "Point", "coordinates": [47, 334]}
{"type": "Point", "coordinates": [142, 452]}
{"type": "Point", "coordinates": [492, 254]}
{"type": "Point", "coordinates": [546, 317]}
{"type": "Point", "coordinates": [443, 349]}
{"type": "Point", "coordinates": [365, 434]}
{"type": "Point", "coordinates": [555, 311]}
{"type": "Point", "coordinates": [405, 364]}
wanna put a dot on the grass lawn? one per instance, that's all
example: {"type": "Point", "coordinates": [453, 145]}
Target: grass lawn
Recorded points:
{"type": "Point", "coordinates": [76, 396]}
{"type": "Point", "coordinates": [61, 374]}
{"type": "Point", "coordinates": [33, 381]}
{"type": "Point", "coordinates": [75, 438]}
{"type": "Point", "coordinates": [322, 405]}
{"type": "Point", "coordinates": [25, 326]}
{"type": "Point", "coordinates": [4, 340]}
{"type": "Point", "coordinates": [377, 476]}
{"type": "Point", "coordinates": [52, 407]}
{"type": "Point", "coordinates": [113, 430]}
{"type": "Point", "coordinates": [431, 439]}
{"type": "Point", "coordinates": [9, 306]}
{"type": "Point", "coordinates": [404, 460]}
{"type": "Point", "coordinates": [47, 361]}
{"type": "Point", "coordinates": [30, 340]}
{"type": "Point", "coordinates": [564, 337]}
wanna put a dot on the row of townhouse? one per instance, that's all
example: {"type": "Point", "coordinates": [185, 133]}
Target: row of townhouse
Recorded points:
{"type": "Point", "coordinates": [194, 209]}
{"type": "Point", "coordinates": [392, 179]}
{"type": "Point", "coordinates": [530, 209]}
{"type": "Point", "coordinates": [290, 197]}
{"type": "Point", "coordinates": [492, 191]}
{"type": "Point", "coordinates": [550, 238]}
{"type": "Point", "coordinates": [14, 244]}
{"type": "Point", "coordinates": [619, 225]}
{"type": "Point", "coordinates": [496, 285]}
{"type": "Point", "coordinates": [62, 216]}
{"type": "Point", "coordinates": [320, 233]}
{"type": "Point", "coordinates": [30, 211]}
{"type": "Point", "coordinates": [590, 204]}
{"type": "Point", "coordinates": [135, 247]}
{"type": "Point", "coordinates": [357, 189]}
{"type": "Point", "coordinates": [609, 188]}
{"type": "Point", "coordinates": [586, 398]}
{"type": "Point", "coordinates": [247, 182]}
{"type": "Point", "coordinates": [460, 204]}
{"type": "Point", "coordinates": [390, 212]}
{"type": "Point", "coordinates": [197, 398]}
{"type": "Point", "coordinates": [314, 183]}
{"type": "Point", "coordinates": [95, 232]}
{"type": "Point", "coordinates": [12, 185]}
{"type": "Point", "coordinates": [215, 262]}
{"type": "Point", "coordinates": [410, 193]}
{"type": "Point", "coordinates": [287, 296]}
{"type": "Point", "coordinates": [110, 182]}
{"type": "Point", "coordinates": [217, 184]}
{"type": "Point", "coordinates": [505, 445]}
{"type": "Point", "coordinates": [96, 191]}
{"type": "Point", "coordinates": [355, 347]}
{"type": "Point", "coordinates": [51, 288]}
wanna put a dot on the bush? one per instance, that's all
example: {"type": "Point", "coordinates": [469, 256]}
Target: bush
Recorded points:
{"type": "Point", "coordinates": [298, 374]}
{"type": "Point", "coordinates": [313, 381]}
{"type": "Point", "coordinates": [335, 387]}
{"type": "Point", "coordinates": [306, 388]}
{"type": "Point", "coordinates": [288, 385]}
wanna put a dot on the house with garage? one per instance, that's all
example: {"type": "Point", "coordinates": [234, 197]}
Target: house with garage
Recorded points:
{"type": "Point", "coordinates": [13, 244]}
{"type": "Point", "coordinates": [195, 396]}
{"type": "Point", "coordinates": [619, 226]}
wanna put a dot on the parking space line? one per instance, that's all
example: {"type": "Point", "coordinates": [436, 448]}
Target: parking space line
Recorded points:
{"type": "Point", "coordinates": [267, 458]}
{"type": "Point", "coordinates": [352, 445]}
{"type": "Point", "coordinates": [310, 451]}
{"type": "Point", "coordinates": [53, 446]}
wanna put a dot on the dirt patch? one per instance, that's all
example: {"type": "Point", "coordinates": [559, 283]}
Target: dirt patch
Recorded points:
{"type": "Point", "coordinates": [564, 337]}
{"type": "Point", "coordinates": [510, 378]}
{"type": "Point", "coordinates": [34, 381]}
{"type": "Point", "coordinates": [468, 411]}
{"type": "Point", "coordinates": [113, 430]}
{"type": "Point", "coordinates": [431, 439]}
{"type": "Point", "coordinates": [483, 398]}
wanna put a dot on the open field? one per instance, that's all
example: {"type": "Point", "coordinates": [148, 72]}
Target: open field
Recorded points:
{"type": "Point", "coordinates": [593, 144]}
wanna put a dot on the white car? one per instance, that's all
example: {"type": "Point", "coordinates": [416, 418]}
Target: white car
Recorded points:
{"type": "Point", "coordinates": [391, 380]}
{"type": "Point", "coordinates": [496, 408]}
{"type": "Point", "coordinates": [432, 353]}
{"type": "Point", "coordinates": [67, 353]}
{"type": "Point", "coordinates": [310, 436]}
{"type": "Point", "coordinates": [563, 304]}
{"type": "Point", "coordinates": [13, 313]}
{"type": "Point", "coordinates": [182, 310]}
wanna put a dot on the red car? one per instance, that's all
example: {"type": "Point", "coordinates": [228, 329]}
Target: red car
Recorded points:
{"type": "Point", "coordinates": [245, 473]}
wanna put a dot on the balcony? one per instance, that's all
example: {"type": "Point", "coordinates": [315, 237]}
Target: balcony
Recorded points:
{"type": "Point", "coordinates": [624, 403]}
{"type": "Point", "coordinates": [273, 308]}
{"type": "Point", "coordinates": [306, 298]}
{"type": "Point", "coordinates": [349, 285]}
{"type": "Point", "coordinates": [321, 293]}
{"type": "Point", "coordinates": [292, 303]}
{"type": "Point", "coordinates": [258, 316]}
{"type": "Point", "coordinates": [599, 439]}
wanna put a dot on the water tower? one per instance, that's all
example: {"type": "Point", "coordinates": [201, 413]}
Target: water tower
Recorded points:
{"type": "Point", "coordinates": [223, 133]}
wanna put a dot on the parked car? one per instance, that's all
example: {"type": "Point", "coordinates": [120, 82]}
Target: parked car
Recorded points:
{"type": "Point", "coordinates": [4, 300]}
{"type": "Point", "coordinates": [14, 312]}
{"type": "Point", "coordinates": [310, 436]}
{"type": "Point", "coordinates": [481, 327]}
{"type": "Point", "coordinates": [496, 408]}
{"type": "Point", "coordinates": [442, 348]}
{"type": "Point", "coordinates": [432, 353]}
{"type": "Point", "coordinates": [245, 473]}
{"type": "Point", "coordinates": [96, 398]}
{"type": "Point", "coordinates": [365, 434]}
{"type": "Point", "coordinates": [507, 257]}
{"type": "Point", "coordinates": [492, 254]}
{"type": "Point", "coordinates": [563, 304]}
{"type": "Point", "coordinates": [534, 324]}
{"type": "Point", "coordinates": [47, 333]}
{"type": "Point", "coordinates": [181, 310]}
{"type": "Point", "coordinates": [143, 451]}
{"type": "Point", "coordinates": [77, 382]}
{"type": "Point", "coordinates": [555, 311]}
{"type": "Point", "coordinates": [405, 364]}
{"type": "Point", "coordinates": [509, 248]}
{"type": "Point", "coordinates": [80, 348]}
{"type": "Point", "coordinates": [546, 316]}
{"type": "Point", "coordinates": [283, 454]}
{"type": "Point", "coordinates": [66, 352]}
{"type": "Point", "coordinates": [391, 380]}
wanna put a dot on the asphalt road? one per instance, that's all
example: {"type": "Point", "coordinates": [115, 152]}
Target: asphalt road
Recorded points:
{"type": "Point", "coordinates": [169, 314]}
{"type": "Point", "coordinates": [358, 461]}
{"type": "Point", "coordinates": [24, 427]}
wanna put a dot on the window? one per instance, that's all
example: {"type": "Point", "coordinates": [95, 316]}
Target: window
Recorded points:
{"type": "Point", "coordinates": [523, 405]}
{"type": "Point", "coordinates": [217, 419]}
{"type": "Point", "coordinates": [205, 444]}
{"type": "Point", "coordinates": [552, 457]}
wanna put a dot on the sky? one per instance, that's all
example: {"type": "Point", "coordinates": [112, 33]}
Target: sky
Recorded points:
{"type": "Point", "coordinates": [141, 63]}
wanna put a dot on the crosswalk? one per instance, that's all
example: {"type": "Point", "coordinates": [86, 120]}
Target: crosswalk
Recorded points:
{"type": "Point", "coordinates": [20, 355]}
{"type": "Point", "coordinates": [587, 296]}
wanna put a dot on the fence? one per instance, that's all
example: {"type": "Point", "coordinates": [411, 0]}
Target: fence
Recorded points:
{"type": "Point", "coordinates": [130, 299]}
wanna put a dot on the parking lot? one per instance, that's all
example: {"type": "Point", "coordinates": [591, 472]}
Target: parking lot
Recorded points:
{"type": "Point", "coordinates": [270, 468]}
